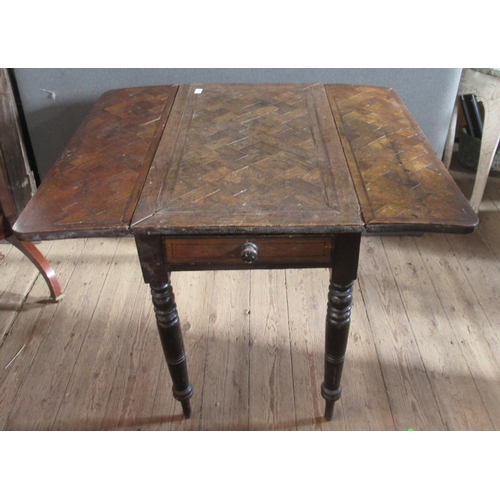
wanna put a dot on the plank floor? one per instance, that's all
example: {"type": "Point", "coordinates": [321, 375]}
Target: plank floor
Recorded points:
{"type": "Point", "coordinates": [424, 349]}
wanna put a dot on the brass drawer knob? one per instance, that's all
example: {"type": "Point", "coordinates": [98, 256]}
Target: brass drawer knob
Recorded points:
{"type": "Point", "coordinates": [249, 253]}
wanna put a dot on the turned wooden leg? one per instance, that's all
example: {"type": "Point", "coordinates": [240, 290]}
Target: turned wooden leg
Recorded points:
{"type": "Point", "coordinates": [338, 318]}
{"type": "Point", "coordinates": [171, 341]}
{"type": "Point", "coordinates": [41, 263]}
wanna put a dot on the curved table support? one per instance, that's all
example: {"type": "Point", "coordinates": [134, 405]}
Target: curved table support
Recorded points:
{"type": "Point", "coordinates": [41, 263]}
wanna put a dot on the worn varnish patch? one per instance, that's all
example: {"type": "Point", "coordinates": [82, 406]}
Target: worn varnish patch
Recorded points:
{"type": "Point", "coordinates": [400, 182]}
{"type": "Point", "coordinates": [249, 158]}
{"type": "Point", "coordinates": [93, 188]}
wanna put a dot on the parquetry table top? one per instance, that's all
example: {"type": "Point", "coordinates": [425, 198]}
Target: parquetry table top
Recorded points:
{"type": "Point", "coordinates": [243, 158]}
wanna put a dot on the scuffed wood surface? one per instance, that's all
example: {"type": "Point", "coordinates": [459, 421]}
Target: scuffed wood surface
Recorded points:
{"type": "Point", "coordinates": [93, 188]}
{"type": "Point", "coordinates": [249, 158]}
{"type": "Point", "coordinates": [400, 182]}
{"type": "Point", "coordinates": [240, 159]}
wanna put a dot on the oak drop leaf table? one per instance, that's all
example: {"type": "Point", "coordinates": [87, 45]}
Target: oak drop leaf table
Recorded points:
{"type": "Point", "coordinates": [247, 176]}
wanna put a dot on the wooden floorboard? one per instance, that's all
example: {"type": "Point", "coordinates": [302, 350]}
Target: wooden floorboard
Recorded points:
{"type": "Point", "coordinates": [445, 366]}
{"type": "Point", "coordinates": [306, 305]}
{"type": "Point", "coordinates": [108, 337]}
{"type": "Point", "coordinates": [17, 280]}
{"type": "Point", "coordinates": [423, 350]}
{"type": "Point", "coordinates": [271, 398]}
{"type": "Point", "coordinates": [225, 393]}
{"type": "Point", "coordinates": [407, 385]}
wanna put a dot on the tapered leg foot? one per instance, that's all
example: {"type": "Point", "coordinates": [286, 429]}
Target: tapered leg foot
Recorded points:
{"type": "Point", "coordinates": [169, 329]}
{"type": "Point", "coordinates": [330, 398]}
{"type": "Point", "coordinates": [329, 410]}
{"type": "Point", "coordinates": [186, 408]}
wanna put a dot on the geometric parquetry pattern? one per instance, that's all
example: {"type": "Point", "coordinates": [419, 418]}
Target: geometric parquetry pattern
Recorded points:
{"type": "Point", "coordinates": [247, 152]}
{"type": "Point", "coordinates": [96, 181]}
{"type": "Point", "coordinates": [233, 159]}
{"type": "Point", "coordinates": [397, 175]}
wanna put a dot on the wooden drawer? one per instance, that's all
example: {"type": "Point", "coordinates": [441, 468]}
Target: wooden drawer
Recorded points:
{"type": "Point", "coordinates": [249, 251]}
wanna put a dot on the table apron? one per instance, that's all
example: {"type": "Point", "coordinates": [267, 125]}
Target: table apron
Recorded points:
{"type": "Point", "coordinates": [160, 255]}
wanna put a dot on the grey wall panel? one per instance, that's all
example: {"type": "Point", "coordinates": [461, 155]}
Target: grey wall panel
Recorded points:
{"type": "Point", "coordinates": [56, 101]}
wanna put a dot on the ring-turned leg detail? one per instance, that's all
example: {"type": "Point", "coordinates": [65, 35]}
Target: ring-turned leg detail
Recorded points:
{"type": "Point", "coordinates": [169, 328]}
{"type": "Point", "coordinates": [338, 320]}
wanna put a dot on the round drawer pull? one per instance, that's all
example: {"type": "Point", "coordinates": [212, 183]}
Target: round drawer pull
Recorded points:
{"type": "Point", "coordinates": [249, 253]}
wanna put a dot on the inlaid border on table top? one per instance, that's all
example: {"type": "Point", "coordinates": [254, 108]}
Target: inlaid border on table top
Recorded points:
{"type": "Point", "coordinates": [402, 185]}
{"type": "Point", "coordinates": [123, 170]}
{"type": "Point", "coordinates": [93, 188]}
{"type": "Point", "coordinates": [244, 158]}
